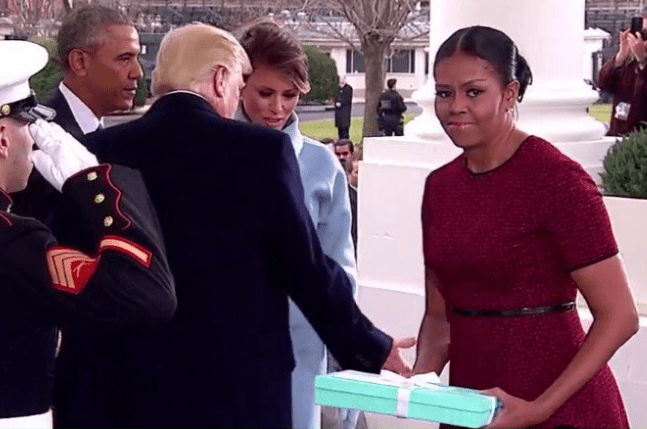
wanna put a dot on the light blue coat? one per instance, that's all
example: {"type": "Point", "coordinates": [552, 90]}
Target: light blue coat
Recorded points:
{"type": "Point", "coordinates": [326, 196]}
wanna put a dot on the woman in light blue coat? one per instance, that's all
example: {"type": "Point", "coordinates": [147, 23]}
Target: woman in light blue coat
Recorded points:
{"type": "Point", "coordinates": [269, 98]}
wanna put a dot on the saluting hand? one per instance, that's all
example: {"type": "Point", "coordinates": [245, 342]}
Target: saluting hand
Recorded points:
{"type": "Point", "coordinates": [60, 156]}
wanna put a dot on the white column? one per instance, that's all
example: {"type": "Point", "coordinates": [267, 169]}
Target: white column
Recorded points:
{"type": "Point", "coordinates": [550, 35]}
{"type": "Point", "coordinates": [420, 67]}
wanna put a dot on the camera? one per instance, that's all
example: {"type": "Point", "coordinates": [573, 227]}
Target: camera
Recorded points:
{"type": "Point", "coordinates": [637, 27]}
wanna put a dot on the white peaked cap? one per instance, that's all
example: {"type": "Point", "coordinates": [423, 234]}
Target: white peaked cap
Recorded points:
{"type": "Point", "coordinates": [19, 60]}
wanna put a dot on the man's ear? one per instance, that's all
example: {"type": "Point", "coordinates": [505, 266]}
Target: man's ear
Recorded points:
{"type": "Point", "coordinates": [4, 141]}
{"type": "Point", "coordinates": [220, 78]}
{"type": "Point", "coordinates": [77, 60]}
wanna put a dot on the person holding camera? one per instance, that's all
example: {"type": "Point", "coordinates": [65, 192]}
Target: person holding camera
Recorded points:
{"type": "Point", "coordinates": [623, 76]}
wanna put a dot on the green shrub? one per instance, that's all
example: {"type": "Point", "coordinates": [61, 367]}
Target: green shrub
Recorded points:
{"type": "Point", "coordinates": [323, 75]}
{"type": "Point", "coordinates": [625, 166]}
{"type": "Point", "coordinates": [48, 78]}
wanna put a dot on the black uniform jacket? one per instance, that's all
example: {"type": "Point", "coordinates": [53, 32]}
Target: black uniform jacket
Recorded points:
{"type": "Point", "coordinates": [124, 284]}
{"type": "Point", "coordinates": [240, 241]}
{"type": "Point", "coordinates": [391, 106]}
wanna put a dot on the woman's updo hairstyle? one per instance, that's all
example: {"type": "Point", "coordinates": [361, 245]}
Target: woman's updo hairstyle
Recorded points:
{"type": "Point", "coordinates": [495, 47]}
{"type": "Point", "coordinates": [271, 44]}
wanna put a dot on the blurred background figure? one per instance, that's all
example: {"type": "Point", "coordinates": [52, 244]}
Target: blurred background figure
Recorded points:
{"type": "Point", "coordinates": [344, 150]}
{"type": "Point", "coordinates": [625, 77]}
{"type": "Point", "coordinates": [343, 104]}
{"type": "Point", "coordinates": [390, 107]}
{"type": "Point", "coordinates": [329, 142]}
{"type": "Point", "coordinates": [353, 179]}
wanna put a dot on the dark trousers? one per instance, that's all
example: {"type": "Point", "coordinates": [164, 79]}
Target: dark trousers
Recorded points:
{"type": "Point", "coordinates": [343, 132]}
{"type": "Point", "coordinates": [397, 130]}
{"type": "Point", "coordinates": [393, 125]}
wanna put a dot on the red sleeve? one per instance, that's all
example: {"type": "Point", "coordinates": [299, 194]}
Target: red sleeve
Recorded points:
{"type": "Point", "coordinates": [577, 219]}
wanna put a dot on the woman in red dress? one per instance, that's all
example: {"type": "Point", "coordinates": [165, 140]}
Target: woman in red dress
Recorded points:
{"type": "Point", "coordinates": [512, 229]}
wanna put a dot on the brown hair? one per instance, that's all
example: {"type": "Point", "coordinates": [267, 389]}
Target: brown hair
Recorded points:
{"type": "Point", "coordinates": [271, 44]}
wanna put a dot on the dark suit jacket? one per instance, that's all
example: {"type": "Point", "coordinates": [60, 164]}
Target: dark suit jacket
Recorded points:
{"type": "Point", "coordinates": [240, 241]}
{"type": "Point", "coordinates": [39, 197]}
{"type": "Point", "coordinates": [344, 96]}
{"type": "Point", "coordinates": [64, 116]}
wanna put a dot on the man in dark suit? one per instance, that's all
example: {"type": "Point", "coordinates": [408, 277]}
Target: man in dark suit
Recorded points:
{"type": "Point", "coordinates": [343, 105]}
{"type": "Point", "coordinates": [97, 48]}
{"type": "Point", "coordinates": [345, 151]}
{"type": "Point", "coordinates": [240, 241]}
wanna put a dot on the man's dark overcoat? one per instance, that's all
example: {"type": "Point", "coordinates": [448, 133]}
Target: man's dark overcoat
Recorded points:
{"type": "Point", "coordinates": [343, 96]}
{"type": "Point", "coordinates": [240, 241]}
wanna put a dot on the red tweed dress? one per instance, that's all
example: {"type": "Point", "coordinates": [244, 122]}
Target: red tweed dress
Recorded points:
{"type": "Point", "coordinates": [507, 239]}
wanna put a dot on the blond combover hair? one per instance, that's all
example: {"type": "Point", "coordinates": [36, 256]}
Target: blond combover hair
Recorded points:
{"type": "Point", "coordinates": [188, 55]}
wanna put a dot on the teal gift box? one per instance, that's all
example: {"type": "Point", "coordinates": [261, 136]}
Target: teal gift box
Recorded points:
{"type": "Point", "coordinates": [415, 398]}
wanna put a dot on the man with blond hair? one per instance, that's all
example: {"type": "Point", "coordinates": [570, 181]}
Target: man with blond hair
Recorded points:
{"type": "Point", "coordinates": [240, 241]}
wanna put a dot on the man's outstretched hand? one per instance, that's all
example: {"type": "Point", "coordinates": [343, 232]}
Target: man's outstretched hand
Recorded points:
{"type": "Point", "coordinates": [394, 361]}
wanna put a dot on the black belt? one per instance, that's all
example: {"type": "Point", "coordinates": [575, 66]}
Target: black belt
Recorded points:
{"type": "Point", "coordinates": [526, 311]}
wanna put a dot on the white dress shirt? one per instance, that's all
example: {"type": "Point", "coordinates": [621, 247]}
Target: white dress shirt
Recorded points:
{"type": "Point", "coordinates": [82, 113]}
{"type": "Point", "coordinates": [39, 421]}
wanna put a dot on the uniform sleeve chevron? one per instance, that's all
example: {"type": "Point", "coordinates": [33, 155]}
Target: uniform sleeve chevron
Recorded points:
{"type": "Point", "coordinates": [127, 247]}
{"type": "Point", "coordinates": [69, 269]}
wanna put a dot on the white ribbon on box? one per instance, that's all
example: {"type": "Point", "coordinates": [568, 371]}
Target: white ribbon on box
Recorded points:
{"type": "Point", "coordinates": [402, 406]}
{"type": "Point", "coordinates": [404, 385]}
{"type": "Point", "coordinates": [427, 380]}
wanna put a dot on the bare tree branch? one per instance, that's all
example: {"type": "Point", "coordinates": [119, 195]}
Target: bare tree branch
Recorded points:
{"type": "Point", "coordinates": [377, 24]}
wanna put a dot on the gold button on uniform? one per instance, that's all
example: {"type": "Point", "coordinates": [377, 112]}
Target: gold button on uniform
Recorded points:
{"type": "Point", "coordinates": [99, 198]}
{"type": "Point", "coordinates": [92, 176]}
{"type": "Point", "coordinates": [107, 221]}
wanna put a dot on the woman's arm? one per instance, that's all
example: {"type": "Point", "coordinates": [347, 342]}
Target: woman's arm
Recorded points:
{"type": "Point", "coordinates": [433, 337]}
{"type": "Point", "coordinates": [615, 319]}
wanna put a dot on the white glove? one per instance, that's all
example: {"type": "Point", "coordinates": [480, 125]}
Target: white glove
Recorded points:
{"type": "Point", "coordinates": [61, 155]}
{"type": "Point", "coordinates": [338, 104]}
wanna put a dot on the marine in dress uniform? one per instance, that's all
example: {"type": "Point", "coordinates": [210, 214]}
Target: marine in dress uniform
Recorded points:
{"type": "Point", "coordinates": [124, 284]}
